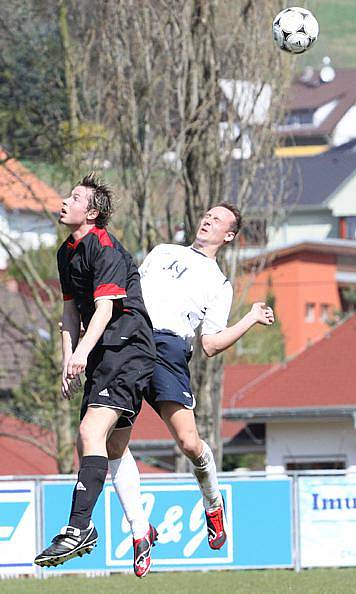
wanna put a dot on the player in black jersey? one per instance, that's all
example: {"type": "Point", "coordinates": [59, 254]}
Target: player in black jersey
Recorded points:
{"type": "Point", "coordinates": [101, 290]}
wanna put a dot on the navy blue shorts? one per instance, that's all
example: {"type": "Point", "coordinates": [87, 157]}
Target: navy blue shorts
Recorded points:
{"type": "Point", "coordinates": [171, 378]}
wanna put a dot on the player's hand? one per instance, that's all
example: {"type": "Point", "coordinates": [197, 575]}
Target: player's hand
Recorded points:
{"type": "Point", "coordinates": [77, 363]}
{"type": "Point", "coordinates": [70, 386]}
{"type": "Point", "coordinates": [262, 313]}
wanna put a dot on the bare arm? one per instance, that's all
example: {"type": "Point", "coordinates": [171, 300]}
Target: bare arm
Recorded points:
{"type": "Point", "coordinates": [219, 342]}
{"type": "Point", "coordinates": [70, 329]}
{"type": "Point", "coordinates": [78, 361]}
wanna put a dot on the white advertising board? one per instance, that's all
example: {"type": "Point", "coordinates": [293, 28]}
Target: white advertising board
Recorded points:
{"type": "Point", "coordinates": [17, 527]}
{"type": "Point", "coordinates": [327, 511]}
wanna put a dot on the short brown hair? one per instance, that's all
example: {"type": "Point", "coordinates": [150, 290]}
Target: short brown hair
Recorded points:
{"type": "Point", "coordinates": [100, 198]}
{"type": "Point", "coordinates": [236, 225]}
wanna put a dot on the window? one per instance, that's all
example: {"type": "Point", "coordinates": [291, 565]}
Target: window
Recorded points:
{"type": "Point", "coordinates": [295, 119]}
{"type": "Point", "coordinates": [325, 312]}
{"type": "Point", "coordinates": [348, 298]}
{"type": "Point", "coordinates": [322, 465]}
{"type": "Point", "coordinates": [310, 312]}
{"type": "Point", "coordinates": [347, 228]}
{"type": "Point", "coordinates": [350, 228]}
{"type": "Point", "coordinates": [318, 462]}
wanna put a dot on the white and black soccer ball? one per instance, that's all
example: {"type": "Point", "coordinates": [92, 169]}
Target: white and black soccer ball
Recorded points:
{"type": "Point", "coordinates": [295, 30]}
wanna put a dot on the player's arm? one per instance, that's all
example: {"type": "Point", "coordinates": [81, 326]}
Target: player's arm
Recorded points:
{"type": "Point", "coordinates": [102, 315]}
{"type": "Point", "coordinates": [70, 329]}
{"type": "Point", "coordinates": [70, 324]}
{"type": "Point", "coordinates": [213, 344]}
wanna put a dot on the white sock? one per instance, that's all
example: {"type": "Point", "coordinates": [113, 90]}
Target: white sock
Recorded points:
{"type": "Point", "coordinates": [126, 480]}
{"type": "Point", "coordinates": [204, 470]}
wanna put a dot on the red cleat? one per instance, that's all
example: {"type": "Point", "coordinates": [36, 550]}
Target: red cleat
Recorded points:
{"type": "Point", "coordinates": [216, 530]}
{"type": "Point", "coordinates": [142, 552]}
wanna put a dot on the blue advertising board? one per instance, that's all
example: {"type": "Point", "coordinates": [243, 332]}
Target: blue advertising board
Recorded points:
{"type": "Point", "coordinates": [258, 513]}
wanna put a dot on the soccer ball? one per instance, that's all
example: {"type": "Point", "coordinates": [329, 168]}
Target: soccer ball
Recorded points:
{"type": "Point", "coordinates": [295, 30]}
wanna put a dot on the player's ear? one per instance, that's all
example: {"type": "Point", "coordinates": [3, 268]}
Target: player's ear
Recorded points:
{"type": "Point", "coordinates": [229, 236]}
{"type": "Point", "coordinates": [92, 215]}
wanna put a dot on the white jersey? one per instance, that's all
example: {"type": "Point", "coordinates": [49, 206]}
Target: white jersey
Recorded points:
{"type": "Point", "coordinates": [182, 288]}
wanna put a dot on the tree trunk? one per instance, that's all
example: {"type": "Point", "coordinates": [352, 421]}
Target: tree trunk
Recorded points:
{"type": "Point", "coordinates": [207, 385]}
{"type": "Point", "coordinates": [71, 89]}
{"type": "Point", "coordinates": [202, 175]}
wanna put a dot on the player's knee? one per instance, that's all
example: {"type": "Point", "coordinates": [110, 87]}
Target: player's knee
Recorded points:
{"type": "Point", "coordinates": [190, 444]}
{"type": "Point", "coordinates": [88, 434]}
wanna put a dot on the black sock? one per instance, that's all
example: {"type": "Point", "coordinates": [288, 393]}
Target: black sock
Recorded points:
{"type": "Point", "coordinates": [91, 478]}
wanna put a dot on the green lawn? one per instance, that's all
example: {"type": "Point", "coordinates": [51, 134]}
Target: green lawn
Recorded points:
{"type": "Point", "coordinates": [337, 38]}
{"type": "Point", "coordinates": [316, 581]}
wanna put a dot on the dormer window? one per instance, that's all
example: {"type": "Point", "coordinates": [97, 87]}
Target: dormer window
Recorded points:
{"type": "Point", "coordinates": [298, 118]}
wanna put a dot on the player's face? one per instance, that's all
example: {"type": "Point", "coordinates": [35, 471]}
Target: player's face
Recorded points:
{"type": "Point", "coordinates": [74, 211]}
{"type": "Point", "coordinates": [215, 227]}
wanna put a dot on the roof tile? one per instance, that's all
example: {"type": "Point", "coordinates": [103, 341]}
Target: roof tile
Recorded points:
{"type": "Point", "coordinates": [20, 189]}
{"type": "Point", "coordinates": [322, 376]}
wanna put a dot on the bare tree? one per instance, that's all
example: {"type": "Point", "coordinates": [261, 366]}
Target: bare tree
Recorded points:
{"type": "Point", "coordinates": [196, 82]}
{"type": "Point", "coordinates": [242, 63]}
{"type": "Point", "coordinates": [181, 98]}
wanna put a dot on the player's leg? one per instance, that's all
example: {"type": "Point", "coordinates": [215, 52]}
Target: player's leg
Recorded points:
{"type": "Point", "coordinates": [136, 372]}
{"type": "Point", "coordinates": [126, 480]}
{"type": "Point", "coordinates": [80, 536]}
{"type": "Point", "coordinates": [181, 423]}
{"type": "Point", "coordinates": [94, 430]}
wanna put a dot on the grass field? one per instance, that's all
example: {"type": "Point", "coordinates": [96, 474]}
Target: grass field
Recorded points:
{"type": "Point", "coordinates": [316, 581]}
{"type": "Point", "coordinates": [337, 37]}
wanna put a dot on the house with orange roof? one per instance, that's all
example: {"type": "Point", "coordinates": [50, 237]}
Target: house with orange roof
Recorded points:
{"type": "Point", "coordinates": [307, 406]}
{"type": "Point", "coordinates": [308, 259]}
{"type": "Point", "coordinates": [313, 283]}
{"type": "Point", "coordinates": [28, 208]}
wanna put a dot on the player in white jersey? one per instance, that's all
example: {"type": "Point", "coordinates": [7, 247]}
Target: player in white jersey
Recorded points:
{"type": "Point", "coordinates": [183, 287]}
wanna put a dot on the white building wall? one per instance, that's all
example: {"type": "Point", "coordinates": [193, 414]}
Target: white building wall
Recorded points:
{"type": "Point", "coordinates": [313, 226]}
{"type": "Point", "coordinates": [346, 128]}
{"type": "Point", "coordinates": [304, 440]}
{"type": "Point", "coordinates": [344, 203]}
{"type": "Point", "coordinates": [25, 230]}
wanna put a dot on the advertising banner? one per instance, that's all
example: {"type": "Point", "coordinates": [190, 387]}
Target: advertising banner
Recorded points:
{"type": "Point", "coordinates": [327, 510]}
{"type": "Point", "coordinates": [258, 514]}
{"type": "Point", "coordinates": [17, 527]}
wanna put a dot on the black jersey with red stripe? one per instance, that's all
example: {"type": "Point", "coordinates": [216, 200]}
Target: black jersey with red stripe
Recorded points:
{"type": "Point", "coordinates": [97, 266]}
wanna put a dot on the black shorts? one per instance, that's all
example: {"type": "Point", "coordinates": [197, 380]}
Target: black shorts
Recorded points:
{"type": "Point", "coordinates": [171, 378]}
{"type": "Point", "coordinates": [118, 377]}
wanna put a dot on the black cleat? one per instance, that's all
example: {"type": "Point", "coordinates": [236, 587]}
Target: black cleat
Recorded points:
{"type": "Point", "coordinates": [142, 552]}
{"type": "Point", "coordinates": [71, 542]}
